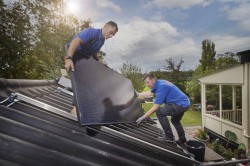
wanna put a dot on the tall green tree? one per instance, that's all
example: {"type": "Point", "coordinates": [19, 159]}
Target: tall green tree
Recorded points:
{"type": "Point", "coordinates": [220, 61]}
{"type": "Point", "coordinates": [16, 39]}
{"type": "Point", "coordinates": [53, 29]}
{"type": "Point", "coordinates": [33, 38]}
{"type": "Point", "coordinates": [208, 55]}
{"type": "Point", "coordinates": [133, 72]}
{"type": "Point", "coordinates": [206, 66]}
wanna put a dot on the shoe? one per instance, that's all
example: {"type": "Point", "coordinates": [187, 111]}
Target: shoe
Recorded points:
{"type": "Point", "coordinates": [165, 138]}
{"type": "Point", "coordinates": [181, 142]}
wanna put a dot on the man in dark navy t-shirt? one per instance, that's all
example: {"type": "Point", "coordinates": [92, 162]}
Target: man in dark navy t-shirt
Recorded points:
{"type": "Point", "coordinates": [176, 103]}
{"type": "Point", "coordinates": [88, 42]}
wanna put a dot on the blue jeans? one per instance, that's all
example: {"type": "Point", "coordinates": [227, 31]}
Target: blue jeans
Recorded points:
{"type": "Point", "coordinates": [176, 112]}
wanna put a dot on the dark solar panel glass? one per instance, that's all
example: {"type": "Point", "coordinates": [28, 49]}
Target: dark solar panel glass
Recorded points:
{"type": "Point", "coordinates": [103, 96]}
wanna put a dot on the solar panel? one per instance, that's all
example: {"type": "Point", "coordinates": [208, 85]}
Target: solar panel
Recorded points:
{"type": "Point", "coordinates": [103, 96]}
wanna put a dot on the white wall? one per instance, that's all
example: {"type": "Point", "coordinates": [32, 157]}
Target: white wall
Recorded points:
{"type": "Point", "coordinates": [236, 75]}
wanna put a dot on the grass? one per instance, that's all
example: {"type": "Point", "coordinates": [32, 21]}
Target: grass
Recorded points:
{"type": "Point", "coordinates": [191, 118]}
{"type": "Point", "coordinates": [146, 89]}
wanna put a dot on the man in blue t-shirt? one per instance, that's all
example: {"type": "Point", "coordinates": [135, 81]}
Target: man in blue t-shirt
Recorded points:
{"type": "Point", "coordinates": [176, 103]}
{"type": "Point", "coordinates": [88, 42]}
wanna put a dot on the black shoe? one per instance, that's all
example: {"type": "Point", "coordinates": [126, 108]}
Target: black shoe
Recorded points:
{"type": "Point", "coordinates": [181, 142]}
{"type": "Point", "coordinates": [165, 138]}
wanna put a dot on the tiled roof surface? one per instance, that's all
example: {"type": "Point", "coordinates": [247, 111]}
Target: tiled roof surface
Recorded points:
{"type": "Point", "coordinates": [31, 135]}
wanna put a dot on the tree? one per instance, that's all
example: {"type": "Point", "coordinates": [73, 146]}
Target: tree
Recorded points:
{"type": "Point", "coordinates": [208, 55]}
{"type": "Point", "coordinates": [226, 60]}
{"type": "Point", "coordinates": [51, 36]}
{"type": "Point", "coordinates": [133, 72]}
{"type": "Point", "coordinates": [174, 69]}
{"type": "Point", "coordinates": [161, 74]}
{"type": "Point", "coordinates": [33, 38]}
{"type": "Point", "coordinates": [16, 39]}
{"type": "Point", "coordinates": [175, 75]}
{"type": "Point", "coordinates": [100, 57]}
{"type": "Point", "coordinates": [207, 65]}
{"type": "Point", "coordinates": [217, 63]}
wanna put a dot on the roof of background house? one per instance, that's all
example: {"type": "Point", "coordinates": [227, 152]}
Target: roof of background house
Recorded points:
{"type": "Point", "coordinates": [38, 129]}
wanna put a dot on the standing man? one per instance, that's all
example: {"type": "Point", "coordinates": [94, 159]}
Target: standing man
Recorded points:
{"type": "Point", "coordinates": [88, 42]}
{"type": "Point", "coordinates": [176, 103]}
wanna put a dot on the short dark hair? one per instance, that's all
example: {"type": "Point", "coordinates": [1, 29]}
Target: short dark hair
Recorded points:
{"type": "Point", "coordinates": [150, 76]}
{"type": "Point", "coordinates": [113, 24]}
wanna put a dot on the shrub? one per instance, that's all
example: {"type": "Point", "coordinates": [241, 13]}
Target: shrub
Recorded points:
{"type": "Point", "coordinates": [201, 135]}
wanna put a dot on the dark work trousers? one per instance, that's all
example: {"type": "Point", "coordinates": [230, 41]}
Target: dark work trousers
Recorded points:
{"type": "Point", "coordinates": [176, 112]}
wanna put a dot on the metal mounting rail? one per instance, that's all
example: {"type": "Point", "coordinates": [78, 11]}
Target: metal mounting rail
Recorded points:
{"type": "Point", "coordinates": [59, 89]}
{"type": "Point", "coordinates": [122, 135]}
{"type": "Point", "coordinates": [42, 105]}
{"type": "Point", "coordinates": [9, 100]}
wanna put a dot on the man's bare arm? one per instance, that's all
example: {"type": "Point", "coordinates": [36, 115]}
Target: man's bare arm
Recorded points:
{"type": "Point", "coordinates": [71, 51]}
{"type": "Point", "coordinates": [145, 94]}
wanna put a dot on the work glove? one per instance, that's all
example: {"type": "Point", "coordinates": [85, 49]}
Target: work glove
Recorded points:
{"type": "Point", "coordinates": [139, 120]}
{"type": "Point", "coordinates": [137, 93]}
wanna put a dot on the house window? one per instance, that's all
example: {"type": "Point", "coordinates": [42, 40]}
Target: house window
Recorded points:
{"type": "Point", "coordinates": [231, 103]}
{"type": "Point", "coordinates": [238, 105]}
{"type": "Point", "coordinates": [212, 100]}
{"type": "Point", "coordinates": [225, 102]}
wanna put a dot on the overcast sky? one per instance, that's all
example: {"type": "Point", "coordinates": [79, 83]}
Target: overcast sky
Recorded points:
{"type": "Point", "coordinates": [151, 31]}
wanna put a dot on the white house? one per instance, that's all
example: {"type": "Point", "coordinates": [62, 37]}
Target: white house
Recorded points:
{"type": "Point", "coordinates": [225, 97]}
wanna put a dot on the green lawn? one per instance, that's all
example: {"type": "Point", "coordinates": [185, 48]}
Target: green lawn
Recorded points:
{"type": "Point", "coordinates": [191, 118]}
{"type": "Point", "coordinates": [146, 89]}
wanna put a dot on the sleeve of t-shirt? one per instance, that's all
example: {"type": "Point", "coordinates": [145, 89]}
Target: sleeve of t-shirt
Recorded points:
{"type": "Point", "coordinates": [161, 95]}
{"type": "Point", "coordinates": [85, 35]}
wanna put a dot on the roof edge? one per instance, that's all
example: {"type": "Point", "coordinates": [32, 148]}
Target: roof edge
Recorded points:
{"type": "Point", "coordinates": [22, 83]}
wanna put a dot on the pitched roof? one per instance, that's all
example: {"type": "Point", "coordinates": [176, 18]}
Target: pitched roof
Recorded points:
{"type": "Point", "coordinates": [36, 132]}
